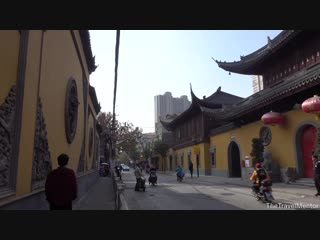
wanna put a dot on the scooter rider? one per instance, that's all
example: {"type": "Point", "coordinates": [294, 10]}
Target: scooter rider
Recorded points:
{"type": "Point", "coordinates": [180, 173]}
{"type": "Point", "coordinates": [153, 174]}
{"type": "Point", "coordinates": [257, 176]}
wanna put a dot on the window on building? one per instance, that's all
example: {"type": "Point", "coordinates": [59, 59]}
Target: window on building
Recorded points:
{"type": "Point", "coordinates": [181, 161]}
{"type": "Point", "coordinates": [213, 159]}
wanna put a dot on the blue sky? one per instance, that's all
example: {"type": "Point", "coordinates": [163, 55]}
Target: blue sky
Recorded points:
{"type": "Point", "coordinates": [152, 62]}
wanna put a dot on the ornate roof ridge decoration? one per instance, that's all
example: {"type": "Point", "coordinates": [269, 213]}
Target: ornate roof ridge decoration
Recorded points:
{"type": "Point", "coordinates": [93, 96]}
{"type": "Point", "coordinates": [247, 62]}
{"type": "Point", "coordinates": [215, 102]}
{"type": "Point", "coordinates": [196, 103]}
{"type": "Point", "coordinates": [288, 86]}
{"type": "Point", "coordinates": [86, 43]}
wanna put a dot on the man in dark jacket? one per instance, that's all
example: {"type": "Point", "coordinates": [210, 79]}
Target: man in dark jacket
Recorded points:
{"type": "Point", "coordinates": [61, 186]}
{"type": "Point", "coordinates": [191, 168]}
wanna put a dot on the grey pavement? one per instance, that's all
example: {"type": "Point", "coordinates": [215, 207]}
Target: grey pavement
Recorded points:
{"type": "Point", "coordinates": [100, 197]}
{"type": "Point", "coordinates": [299, 189]}
{"type": "Point", "coordinates": [299, 192]}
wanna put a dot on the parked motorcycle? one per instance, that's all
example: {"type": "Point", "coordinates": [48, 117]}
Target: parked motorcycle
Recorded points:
{"type": "Point", "coordinates": [265, 192]}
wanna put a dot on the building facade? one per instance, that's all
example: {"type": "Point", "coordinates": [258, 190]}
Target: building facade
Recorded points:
{"type": "Point", "coordinates": [290, 67]}
{"type": "Point", "coordinates": [147, 139]}
{"type": "Point", "coordinates": [165, 105]}
{"type": "Point", "coordinates": [190, 132]}
{"type": "Point", "coordinates": [47, 107]}
{"type": "Point", "coordinates": [257, 83]}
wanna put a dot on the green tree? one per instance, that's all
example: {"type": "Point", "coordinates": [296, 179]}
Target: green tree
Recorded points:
{"type": "Point", "coordinates": [134, 154]}
{"type": "Point", "coordinates": [257, 151]}
{"type": "Point", "coordinates": [147, 152]}
{"type": "Point", "coordinates": [124, 158]}
{"type": "Point", "coordinates": [162, 149]}
{"type": "Point", "coordinates": [105, 122]}
{"type": "Point", "coordinates": [125, 135]}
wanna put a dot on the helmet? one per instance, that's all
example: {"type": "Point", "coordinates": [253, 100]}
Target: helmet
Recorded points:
{"type": "Point", "coordinates": [258, 165]}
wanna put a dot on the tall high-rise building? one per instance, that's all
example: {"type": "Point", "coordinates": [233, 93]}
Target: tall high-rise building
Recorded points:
{"type": "Point", "coordinates": [257, 83]}
{"type": "Point", "coordinates": [166, 104]}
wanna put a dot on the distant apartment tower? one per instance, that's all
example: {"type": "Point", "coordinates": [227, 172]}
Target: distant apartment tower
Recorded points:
{"type": "Point", "coordinates": [166, 104]}
{"type": "Point", "coordinates": [257, 83]}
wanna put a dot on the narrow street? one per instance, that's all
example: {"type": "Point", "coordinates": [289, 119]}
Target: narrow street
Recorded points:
{"type": "Point", "coordinates": [202, 194]}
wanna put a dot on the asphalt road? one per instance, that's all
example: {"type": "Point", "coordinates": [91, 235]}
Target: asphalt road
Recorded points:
{"type": "Point", "coordinates": [196, 194]}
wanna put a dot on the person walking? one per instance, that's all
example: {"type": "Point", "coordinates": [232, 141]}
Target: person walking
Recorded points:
{"type": "Point", "coordinates": [61, 186]}
{"type": "Point", "coordinates": [317, 174]}
{"type": "Point", "coordinates": [138, 174]}
{"type": "Point", "coordinates": [191, 168]}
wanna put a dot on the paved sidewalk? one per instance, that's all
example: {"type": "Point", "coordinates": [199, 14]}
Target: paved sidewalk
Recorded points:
{"type": "Point", "coordinates": [100, 197]}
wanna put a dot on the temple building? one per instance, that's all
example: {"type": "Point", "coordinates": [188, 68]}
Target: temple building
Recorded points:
{"type": "Point", "coordinates": [47, 107]}
{"type": "Point", "coordinates": [191, 131]}
{"type": "Point", "coordinates": [290, 67]}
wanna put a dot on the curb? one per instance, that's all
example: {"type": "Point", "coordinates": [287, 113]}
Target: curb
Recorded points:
{"type": "Point", "coordinates": [123, 204]}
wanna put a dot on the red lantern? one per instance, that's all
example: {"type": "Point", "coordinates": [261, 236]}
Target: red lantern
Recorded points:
{"type": "Point", "coordinates": [272, 118]}
{"type": "Point", "coordinates": [311, 105]}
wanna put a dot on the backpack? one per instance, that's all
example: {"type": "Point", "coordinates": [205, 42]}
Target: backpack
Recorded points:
{"type": "Point", "coordinates": [261, 175]}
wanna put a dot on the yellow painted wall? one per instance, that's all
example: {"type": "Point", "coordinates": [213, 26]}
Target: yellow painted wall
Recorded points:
{"type": "Point", "coordinates": [60, 62]}
{"type": "Point", "coordinates": [77, 35]}
{"type": "Point", "coordinates": [24, 172]}
{"type": "Point", "coordinates": [281, 147]}
{"type": "Point", "coordinates": [90, 124]}
{"type": "Point", "coordinates": [9, 49]}
{"type": "Point", "coordinates": [204, 156]}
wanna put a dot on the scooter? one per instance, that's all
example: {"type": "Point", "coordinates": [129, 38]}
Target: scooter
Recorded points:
{"type": "Point", "coordinates": [142, 185]}
{"type": "Point", "coordinates": [180, 177]}
{"type": "Point", "coordinates": [153, 179]}
{"type": "Point", "coordinates": [265, 192]}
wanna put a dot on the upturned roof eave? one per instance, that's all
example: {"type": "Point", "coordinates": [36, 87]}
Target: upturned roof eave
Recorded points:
{"type": "Point", "coordinates": [248, 64]}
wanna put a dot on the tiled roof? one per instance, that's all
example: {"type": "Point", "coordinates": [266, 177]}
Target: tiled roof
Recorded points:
{"type": "Point", "coordinates": [216, 101]}
{"type": "Point", "coordinates": [247, 63]}
{"type": "Point", "coordinates": [306, 78]}
{"type": "Point", "coordinates": [85, 40]}
{"type": "Point", "coordinates": [93, 96]}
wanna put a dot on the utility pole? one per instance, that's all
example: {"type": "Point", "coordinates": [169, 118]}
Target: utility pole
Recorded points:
{"type": "Point", "coordinates": [114, 99]}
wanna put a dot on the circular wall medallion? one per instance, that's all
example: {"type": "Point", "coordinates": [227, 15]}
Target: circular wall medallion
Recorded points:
{"type": "Point", "coordinates": [71, 110]}
{"type": "Point", "coordinates": [265, 135]}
